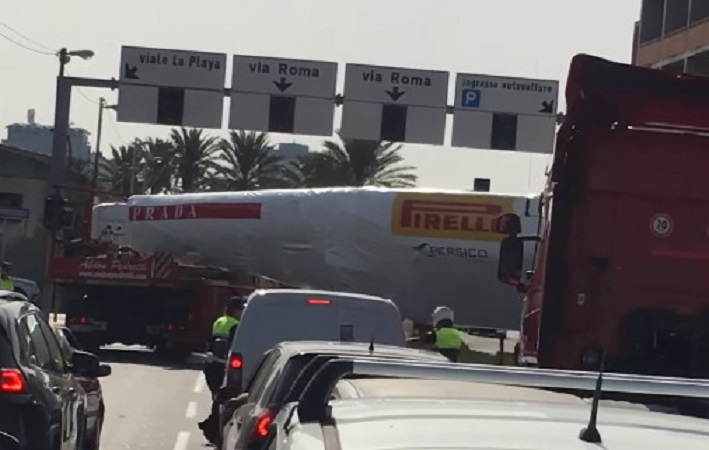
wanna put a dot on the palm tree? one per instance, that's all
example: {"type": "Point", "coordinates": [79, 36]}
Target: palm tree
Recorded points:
{"type": "Point", "coordinates": [356, 162]}
{"type": "Point", "coordinates": [159, 165]}
{"type": "Point", "coordinates": [123, 166]}
{"type": "Point", "coordinates": [195, 157]}
{"type": "Point", "coordinates": [248, 163]}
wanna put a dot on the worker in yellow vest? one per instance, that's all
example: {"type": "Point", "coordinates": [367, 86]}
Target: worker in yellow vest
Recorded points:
{"type": "Point", "coordinates": [223, 330]}
{"type": "Point", "coordinates": [445, 338]}
{"type": "Point", "coordinates": [6, 283]}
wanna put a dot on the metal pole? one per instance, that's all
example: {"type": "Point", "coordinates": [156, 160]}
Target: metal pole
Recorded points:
{"type": "Point", "coordinates": [4, 239]}
{"type": "Point", "coordinates": [94, 180]}
{"type": "Point", "coordinates": [62, 106]}
{"type": "Point", "coordinates": [134, 150]}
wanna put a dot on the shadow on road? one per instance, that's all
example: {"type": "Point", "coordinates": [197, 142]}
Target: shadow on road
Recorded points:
{"type": "Point", "coordinates": [143, 356]}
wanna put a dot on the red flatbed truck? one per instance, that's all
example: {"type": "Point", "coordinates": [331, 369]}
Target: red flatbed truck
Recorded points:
{"type": "Point", "coordinates": [622, 257]}
{"type": "Point", "coordinates": [150, 300]}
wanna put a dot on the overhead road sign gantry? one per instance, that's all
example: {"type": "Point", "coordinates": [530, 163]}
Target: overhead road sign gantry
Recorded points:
{"type": "Point", "coordinates": [283, 95]}
{"type": "Point", "coordinates": [171, 87]}
{"type": "Point", "coordinates": [394, 104]}
{"type": "Point", "coordinates": [505, 113]}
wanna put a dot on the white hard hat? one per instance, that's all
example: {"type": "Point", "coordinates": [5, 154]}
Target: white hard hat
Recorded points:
{"type": "Point", "coordinates": [442, 313]}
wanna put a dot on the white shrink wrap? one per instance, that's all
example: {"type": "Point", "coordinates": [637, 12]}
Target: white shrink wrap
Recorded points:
{"type": "Point", "coordinates": [421, 248]}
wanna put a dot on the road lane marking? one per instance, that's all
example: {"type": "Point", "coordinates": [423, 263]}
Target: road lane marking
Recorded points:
{"type": "Point", "coordinates": [191, 412]}
{"type": "Point", "coordinates": [199, 385]}
{"type": "Point", "coordinates": [183, 438]}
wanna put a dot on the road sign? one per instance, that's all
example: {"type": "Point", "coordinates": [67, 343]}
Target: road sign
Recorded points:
{"type": "Point", "coordinates": [661, 225]}
{"type": "Point", "coordinates": [14, 213]}
{"type": "Point", "coordinates": [394, 104]}
{"type": "Point", "coordinates": [283, 95]}
{"type": "Point", "coordinates": [171, 87]}
{"type": "Point", "coordinates": [504, 113]}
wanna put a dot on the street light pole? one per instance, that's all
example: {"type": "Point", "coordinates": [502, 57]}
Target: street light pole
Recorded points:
{"type": "Point", "coordinates": [62, 106]}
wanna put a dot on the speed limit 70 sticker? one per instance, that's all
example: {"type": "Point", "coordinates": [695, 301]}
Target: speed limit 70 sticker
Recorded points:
{"type": "Point", "coordinates": [661, 225]}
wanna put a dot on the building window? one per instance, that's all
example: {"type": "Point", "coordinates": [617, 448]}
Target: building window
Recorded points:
{"type": "Point", "coordinates": [699, 10]}
{"type": "Point", "coordinates": [651, 20]}
{"type": "Point", "coordinates": [677, 66]}
{"type": "Point", "coordinates": [676, 15]}
{"type": "Point", "coordinates": [481, 185]}
{"type": "Point", "coordinates": [698, 64]}
{"type": "Point", "coordinates": [10, 200]}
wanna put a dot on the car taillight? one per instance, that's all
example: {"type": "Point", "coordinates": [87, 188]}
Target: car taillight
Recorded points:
{"type": "Point", "coordinates": [235, 362]}
{"type": "Point", "coordinates": [11, 381]}
{"type": "Point", "coordinates": [79, 320]}
{"type": "Point", "coordinates": [263, 421]}
{"type": "Point", "coordinates": [318, 301]}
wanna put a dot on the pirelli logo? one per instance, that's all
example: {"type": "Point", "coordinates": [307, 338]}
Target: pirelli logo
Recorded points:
{"type": "Point", "coordinates": [448, 216]}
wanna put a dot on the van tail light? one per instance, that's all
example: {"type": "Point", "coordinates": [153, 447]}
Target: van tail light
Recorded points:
{"type": "Point", "coordinates": [11, 381]}
{"type": "Point", "coordinates": [318, 301]}
{"type": "Point", "coordinates": [235, 362]}
{"type": "Point", "coordinates": [233, 374]}
{"type": "Point", "coordinates": [263, 422]}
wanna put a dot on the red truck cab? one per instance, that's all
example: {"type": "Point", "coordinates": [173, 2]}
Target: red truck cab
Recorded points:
{"type": "Point", "coordinates": [621, 266]}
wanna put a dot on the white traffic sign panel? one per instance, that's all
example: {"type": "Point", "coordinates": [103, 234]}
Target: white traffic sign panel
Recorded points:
{"type": "Point", "coordinates": [299, 78]}
{"type": "Point", "coordinates": [504, 113]}
{"type": "Point", "coordinates": [171, 87]}
{"type": "Point", "coordinates": [400, 86]}
{"type": "Point", "coordinates": [661, 225]}
{"type": "Point", "coordinates": [506, 94]}
{"type": "Point", "coordinates": [394, 104]}
{"type": "Point", "coordinates": [283, 95]}
{"type": "Point", "coordinates": [173, 68]}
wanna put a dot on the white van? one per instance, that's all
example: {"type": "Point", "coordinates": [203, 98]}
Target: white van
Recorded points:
{"type": "Point", "coordinates": [276, 315]}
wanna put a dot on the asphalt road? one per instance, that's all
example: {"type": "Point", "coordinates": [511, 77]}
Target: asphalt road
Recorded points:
{"type": "Point", "coordinates": [152, 405]}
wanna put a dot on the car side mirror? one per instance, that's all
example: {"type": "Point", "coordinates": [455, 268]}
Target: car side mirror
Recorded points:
{"type": "Point", "coordinates": [234, 403]}
{"type": "Point", "coordinates": [103, 370]}
{"type": "Point", "coordinates": [84, 364]}
{"type": "Point", "coordinates": [509, 266]}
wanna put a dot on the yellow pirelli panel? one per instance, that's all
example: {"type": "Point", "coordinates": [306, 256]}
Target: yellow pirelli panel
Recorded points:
{"type": "Point", "coordinates": [449, 216]}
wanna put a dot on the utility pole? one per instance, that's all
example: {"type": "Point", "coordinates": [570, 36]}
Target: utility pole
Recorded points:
{"type": "Point", "coordinates": [94, 178]}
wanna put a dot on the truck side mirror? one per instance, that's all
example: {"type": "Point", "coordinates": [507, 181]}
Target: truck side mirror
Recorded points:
{"type": "Point", "coordinates": [509, 266]}
{"type": "Point", "coordinates": [509, 224]}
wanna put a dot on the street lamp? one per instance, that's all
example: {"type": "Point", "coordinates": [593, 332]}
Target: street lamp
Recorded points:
{"type": "Point", "coordinates": [65, 56]}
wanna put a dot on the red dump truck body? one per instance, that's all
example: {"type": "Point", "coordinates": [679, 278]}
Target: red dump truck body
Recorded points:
{"type": "Point", "coordinates": [146, 300]}
{"type": "Point", "coordinates": [622, 261]}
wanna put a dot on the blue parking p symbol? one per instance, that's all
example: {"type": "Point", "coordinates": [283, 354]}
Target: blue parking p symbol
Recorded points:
{"type": "Point", "coordinates": [470, 98]}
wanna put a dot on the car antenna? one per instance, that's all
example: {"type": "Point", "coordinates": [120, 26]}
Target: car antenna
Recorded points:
{"type": "Point", "coordinates": [371, 345]}
{"type": "Point", "coordinates": [591, 434]}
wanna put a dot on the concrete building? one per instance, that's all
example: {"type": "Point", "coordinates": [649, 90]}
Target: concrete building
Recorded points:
{"type": "Point", "coordinates": [23, 189]}
{"type": "Point", "coordinates": [673, 34]}
{"type": "Point", "coordinates": [37, 138]}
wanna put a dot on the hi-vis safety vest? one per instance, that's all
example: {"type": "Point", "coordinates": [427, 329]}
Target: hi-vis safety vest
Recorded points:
{"type": "Point", "coordinates": [6, 284]}
{"type": "Point", "coordinates": [223, 325]}
{"type": "Point", "coordinates": [448, 338]}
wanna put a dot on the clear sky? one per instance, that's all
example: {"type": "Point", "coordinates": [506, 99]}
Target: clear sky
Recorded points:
{"type": "Point", "coordinates": [499, 37]}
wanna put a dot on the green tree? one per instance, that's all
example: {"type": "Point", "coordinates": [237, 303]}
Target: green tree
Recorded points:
{"type": "Point", "coordinates": [248, 163]}
{"type": "Point", "coordinates": [158, 172]}
{"type": "Point", "coordinates": [195, 158]}
{"type": "Point", "coordinates": [356, 162]}
{"type": "Point", "coordinates": [124, 165]}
